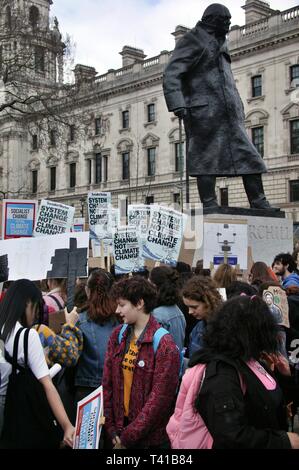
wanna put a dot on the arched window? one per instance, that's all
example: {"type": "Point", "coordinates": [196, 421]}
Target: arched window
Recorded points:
{"type": "Point", "coordinates": [33, 17]}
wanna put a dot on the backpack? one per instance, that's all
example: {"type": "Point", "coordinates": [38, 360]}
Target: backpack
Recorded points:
{"type": "Point", "coordinates": [28, 419]}
{"type": "Point", "coordinates": [158, 335]}
{"type": "Point", "coordinates": [186, 429]}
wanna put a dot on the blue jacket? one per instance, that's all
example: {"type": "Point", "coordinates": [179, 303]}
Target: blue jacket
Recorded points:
{"type": "Point", "coordinates": [196, 337]}
{"type": "Point", "coordinates": [173, 320]}
{"type": "Point", "coordinates": [291, 280]}
{"type": "Point", "coordinates": [95, 340]}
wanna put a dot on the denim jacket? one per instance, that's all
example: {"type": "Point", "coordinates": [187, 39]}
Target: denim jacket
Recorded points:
{"type": "Point", "coordinates": [196, 337]}
{"type": "Point", "coordinates": [173, 320]}
{"type": "Point", "coordinates": [95, 340]}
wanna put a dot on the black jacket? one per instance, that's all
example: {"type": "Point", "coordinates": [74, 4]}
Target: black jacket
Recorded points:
{"type": "Point", "coordinates": [256, 420]}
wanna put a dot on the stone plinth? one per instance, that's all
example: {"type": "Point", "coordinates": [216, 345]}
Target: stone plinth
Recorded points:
{"type": "Point", "coordinates": [268, 234]}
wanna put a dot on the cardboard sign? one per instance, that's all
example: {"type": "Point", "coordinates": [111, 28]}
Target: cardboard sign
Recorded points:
{"type": "Point", "coordinates": [127, 251]}
{"type": "Point", "coordinates": [98, 213]}
{"type": "Point", "coordinates": [18, 218]}
{"type": "Point", "coordinates": [225, 243]}
{"type": "Point", "coordinates": [276, 299]}
{"type": "Point", "coordinates": [53, 219]}
{"type": "Point", "coordinates": [31, 258]}
{"type": "Point", "coordinates": [89, 421]}
{"type": "Point", "coordinates": [139, 217]}
{"type": "Point", "coordinates": [165, 235]}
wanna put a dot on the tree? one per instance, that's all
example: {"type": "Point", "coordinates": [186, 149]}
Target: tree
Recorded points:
{"type": "Point", "coordinates": [32, 60]}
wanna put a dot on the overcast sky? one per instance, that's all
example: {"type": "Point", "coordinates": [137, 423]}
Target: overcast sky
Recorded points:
{"type": "Point", "coordinates": [100, 28]}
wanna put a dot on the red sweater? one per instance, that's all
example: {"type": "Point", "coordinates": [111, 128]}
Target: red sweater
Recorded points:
{"type": "Point", "coordinates": [153, 389]}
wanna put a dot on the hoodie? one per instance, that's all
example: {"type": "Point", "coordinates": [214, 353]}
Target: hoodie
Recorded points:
{"type": "Point", "coordinates": [291, 280]}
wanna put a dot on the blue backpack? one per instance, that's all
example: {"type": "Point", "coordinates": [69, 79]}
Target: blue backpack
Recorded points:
{"type": "Point", "coordinates": [159, 333]}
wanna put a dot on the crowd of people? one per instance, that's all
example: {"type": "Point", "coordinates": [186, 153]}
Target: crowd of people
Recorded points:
{"type": "Point", "coordinates": [182, 364]}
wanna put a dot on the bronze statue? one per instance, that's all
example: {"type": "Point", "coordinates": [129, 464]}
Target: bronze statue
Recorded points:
{"type": "Point", "coordinates": [199, 88]}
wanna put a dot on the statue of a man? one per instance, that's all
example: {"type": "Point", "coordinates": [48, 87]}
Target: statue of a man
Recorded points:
{"type": "Point", "coordinates": [199, 88]}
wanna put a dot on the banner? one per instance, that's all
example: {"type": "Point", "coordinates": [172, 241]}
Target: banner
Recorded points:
{"type": "Point", "coordinates": [18, 218]}
{"type": "Point", "coordinates": [31, 258]}
{"type": "Point", "coordinates": [127, 251]}
{"type": "Point", "coordinates": [225, 243]}
{"type": "Point", "coordinates": [79, 225]}
{"type": "Point", "coordinates": [165, 235]}
{"type": "Point", "coordinates": [98, 212]}
{"type": "Point", "coordinates": [53, 218]}
{"type": "Point", "coordinates": [89, 421]}
{"type": "Point", "coordinates": [139, 217]}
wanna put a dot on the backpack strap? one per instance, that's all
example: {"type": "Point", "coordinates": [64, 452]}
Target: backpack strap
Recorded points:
{"type": "Point", "coordinates": [158, 336]}
{"type": "Point", "coordinates": [15, 351]}
{"type": "Point", "coordinates": [26, 337]}
{"type": "Point", "coordinates": [56, 301]}
{"type": "Point", "coordinates": [121, 332]}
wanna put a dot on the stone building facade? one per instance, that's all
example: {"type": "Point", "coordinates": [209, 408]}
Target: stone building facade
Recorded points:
{"type": "Point", "coordinates": [121, 138]}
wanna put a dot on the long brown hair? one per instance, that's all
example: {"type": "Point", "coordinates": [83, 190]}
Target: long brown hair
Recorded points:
{"type": "Point", "coordinates": [225, 276]}
{"type": "Point", "coordinates": [203, 289]}
{"type": "Point", "coordinates": [100, 305]}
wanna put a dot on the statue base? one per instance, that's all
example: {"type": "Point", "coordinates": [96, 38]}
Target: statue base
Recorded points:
{"type": "Point", "coordinates": [268, 233]}
{"type": "Point", "coordinates": [245, 212]}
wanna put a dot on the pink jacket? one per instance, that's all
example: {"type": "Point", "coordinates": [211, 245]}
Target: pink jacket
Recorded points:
{"type": "Point", "coordinates": [186, 428]}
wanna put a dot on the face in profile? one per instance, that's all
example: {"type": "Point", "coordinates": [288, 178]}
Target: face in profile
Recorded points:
{"type": "Point", "coordinates": [197, 308]}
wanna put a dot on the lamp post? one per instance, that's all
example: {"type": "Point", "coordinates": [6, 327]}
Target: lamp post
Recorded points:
{"type": "Point", "coordinates": [82, 202]}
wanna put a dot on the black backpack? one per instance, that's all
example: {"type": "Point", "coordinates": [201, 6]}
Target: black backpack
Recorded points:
{"type": "Point", "coordinates": [28, 419]}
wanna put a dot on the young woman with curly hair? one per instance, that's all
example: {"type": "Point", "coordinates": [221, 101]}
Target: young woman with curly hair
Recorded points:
{"type": "Point", "coordinates": [167, 312]}
{"type": "Point", "coordinates": [201, 296]}
{"type": "Point", "coordinates": [96, 323]}
{"type": "Point", "coordinates": [239, 399]}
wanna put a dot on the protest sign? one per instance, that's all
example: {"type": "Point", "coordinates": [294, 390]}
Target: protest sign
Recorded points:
{"type": "Point", "coordinates": [139, 217]}
{"type": "Point", "coordinates": [102, 248]}
{"type": "Point", "coordinates": [79, 225]}
{"type": "Point", "coordinates": [18, 218]}
{"type": "Point", "coordinates": [31, 258]}
{"type": "Point", "coordinates": [53, 218]}
{"type": "Point", "coordinates": [276, 299]}
{"type": "Point", "coordinates": [89, 421]}
{"type": "Point", "coordinates": [98, 212]}
{"type": "Point", "coordinates": [165, 235]}
{"type": "Point", "coordinates": [225, 243]}
{"type": "Point", "coordinates": [127, 251]}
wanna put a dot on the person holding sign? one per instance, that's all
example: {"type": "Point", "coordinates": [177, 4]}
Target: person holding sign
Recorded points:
{"type": "Point", "coordinates": [23, 427]}
{"type": "Point", "coordinates": [141, 371]}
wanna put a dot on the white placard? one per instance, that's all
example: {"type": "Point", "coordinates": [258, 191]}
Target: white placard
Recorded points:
{"type": "Point", "coordinates": [165, 235]}
{"type": "Point", "coordinates": [53, 219]}
{"type": "Point", "coordinates": [30, 258]}
{"type": "Point", "coordinates": [98, 213]}
{"type": "Point", "coordinates": [139, 217]}
{"type": "Point", "coordinates": [225, 243]}
{"type": "Point", "coordinates": [89, 421]}
{"type": "Point", "coordinates": [127, 251]}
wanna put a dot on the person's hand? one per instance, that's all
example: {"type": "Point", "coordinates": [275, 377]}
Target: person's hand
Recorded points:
{"type": "Point", "coordinates": [180, 113]}
{"type": "Point", "coordinates": [117, 443]}
{"type": "Point", "coordinates": [68, 437]}
{"type": "Point", "coordinates": [72, 317]}
{"type": "Point", "coordinates": [294, 439]}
